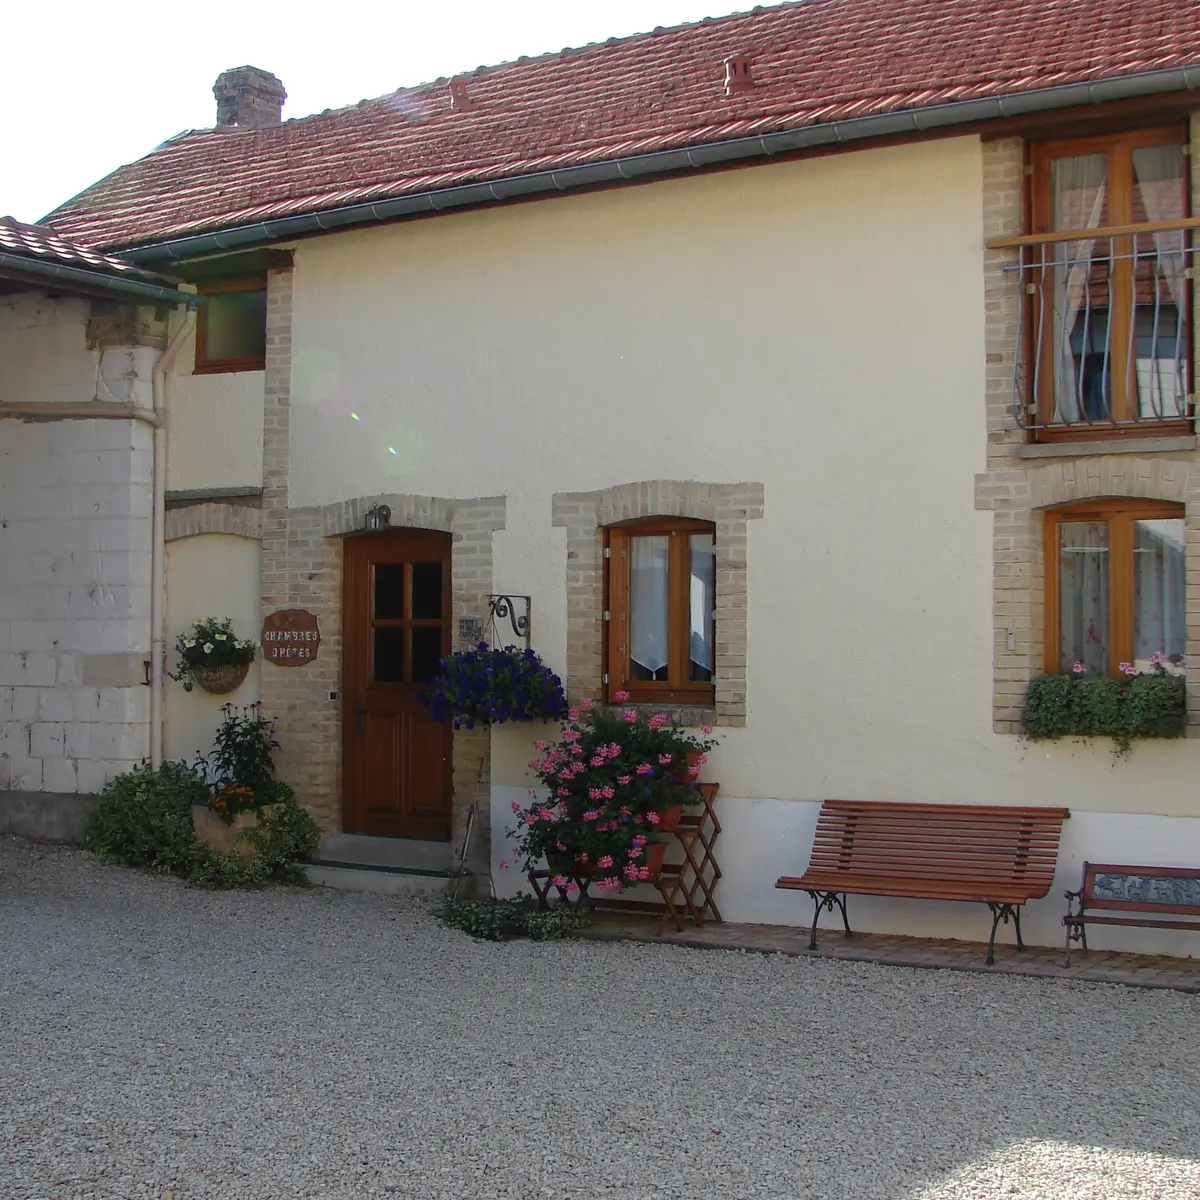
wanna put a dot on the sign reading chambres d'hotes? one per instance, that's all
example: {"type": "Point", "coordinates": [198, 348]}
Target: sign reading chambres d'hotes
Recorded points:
{"type": "Point", "coordinates": [290, 637]}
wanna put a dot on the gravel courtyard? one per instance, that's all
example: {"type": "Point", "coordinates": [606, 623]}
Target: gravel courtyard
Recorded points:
{"type": "Point", "coordinates": [158, 1041]}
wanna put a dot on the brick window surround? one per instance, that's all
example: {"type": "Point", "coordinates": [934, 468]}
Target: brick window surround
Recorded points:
{"type": "Point", "coordinates": [728, 506]}
{"type": "Point", "coordinates": [1022, 481]}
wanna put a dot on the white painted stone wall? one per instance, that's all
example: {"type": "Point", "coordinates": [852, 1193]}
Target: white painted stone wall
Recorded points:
{"type": "Point", "coordinates": [815, 326]}
{"type": "Point", "coordinates": [75, 543]}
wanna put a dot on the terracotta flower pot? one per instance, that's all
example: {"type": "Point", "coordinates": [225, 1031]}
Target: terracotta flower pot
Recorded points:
{"type": "Point", "coordinates": [220, 680]}
{"type": "Point", "coordinates": [652, 858]}
{"type": "Point", "coordinates": [669, 818]}
{"type": "Point", "coordinates": [691, 768]}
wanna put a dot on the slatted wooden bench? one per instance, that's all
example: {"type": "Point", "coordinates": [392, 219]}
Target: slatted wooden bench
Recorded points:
{"type": "Point", "coordinates": [993, 855]}
{"type": "Point", "coordinates": [1151, 897]}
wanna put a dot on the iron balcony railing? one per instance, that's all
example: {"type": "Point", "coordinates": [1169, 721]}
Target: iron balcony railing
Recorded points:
{"type": "Point", "coordinates": [1104, 337]}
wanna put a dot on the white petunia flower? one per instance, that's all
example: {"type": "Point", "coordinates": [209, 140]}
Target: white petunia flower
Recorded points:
{"type": "Point", "coordinates": [190, 643]}
{"type": "Point", "coordinates": [208, 647]}
{"type": "Point", "coordinates": [221, 637]}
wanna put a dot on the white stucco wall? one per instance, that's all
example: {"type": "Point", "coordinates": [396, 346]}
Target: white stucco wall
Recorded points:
{"type": "Point", "coordinates": [213, 575]}
{"type": "Point", "coordinates": [75, 543]}
{"type": "Point", "coordinates": [815, 326]}
{"type": "Point", "coordinates": [214, 428]}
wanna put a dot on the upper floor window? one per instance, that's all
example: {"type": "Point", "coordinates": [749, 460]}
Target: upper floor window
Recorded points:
{"type": "Point", "coordinates": [1106, 314]}
{"type": "Point", "coordinates": [661, 608]}
{"type": "Point", "coordinates": [231, 328]}
{"type": "Point", "coordinates": [1115, 593]}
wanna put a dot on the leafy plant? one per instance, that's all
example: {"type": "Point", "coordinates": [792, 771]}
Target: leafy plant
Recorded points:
{"type": "Point", "coordinates": [486, 686]}
{"type": "Point", "coordinates": [209, 643]}
{"type": "Point", "coordinates": [144, 818]}
{"type": "Point", "coordinates": [609, 779]}
{"type": "Point", "coordinates": [241, 766]}
{"type": "Point", "coordinates": [1150, 704]}
{"type": "Point", "coordinates": [497, 920]}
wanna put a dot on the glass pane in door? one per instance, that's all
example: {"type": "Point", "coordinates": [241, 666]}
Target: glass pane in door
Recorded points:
{"type": "Point", "coordinates": [387, 655]}
{"type": "Point", "coordinates": [427, 591]}
{"type": "Point", "coordinates": [426, 653]}
{"type": "Point", "coordinates": [389, 591]}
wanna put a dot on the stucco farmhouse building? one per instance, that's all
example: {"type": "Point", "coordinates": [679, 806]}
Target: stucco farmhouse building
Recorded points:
{"type": "Point", "coordinates": [824, 372]}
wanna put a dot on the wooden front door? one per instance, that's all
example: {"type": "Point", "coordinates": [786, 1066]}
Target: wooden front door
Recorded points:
{"type": "Point", "coordinates": [396, 620]}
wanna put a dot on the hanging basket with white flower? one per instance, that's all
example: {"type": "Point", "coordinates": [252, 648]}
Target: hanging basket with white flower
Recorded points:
{"type": "Point", "coordinates": [209, 655]}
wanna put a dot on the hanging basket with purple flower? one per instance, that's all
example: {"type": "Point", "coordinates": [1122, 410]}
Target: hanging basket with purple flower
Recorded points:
{"type": "Point", "coordinates": [489, 686]}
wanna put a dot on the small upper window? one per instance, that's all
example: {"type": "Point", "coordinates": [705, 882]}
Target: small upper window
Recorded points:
{"type": "Point", "coordinates": [231, 330]}
{"type": "Point", "coordinates": [661, 604]}
{"type": "Point", "coordinates": [1109, 336]}
{"type": "Point", "coordinates": [1115, 594]}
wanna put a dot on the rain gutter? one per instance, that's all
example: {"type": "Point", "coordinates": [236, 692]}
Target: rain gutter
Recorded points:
{"type": "Point", "coordinates": [26, 268]}
{"type": "Point", "coordinates": [662, 162]}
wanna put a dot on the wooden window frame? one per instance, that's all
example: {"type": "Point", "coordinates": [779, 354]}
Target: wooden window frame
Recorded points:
{"type": "Point", "coordinates": [1119, 145]}
{"type": "Point", "coordinates": [1120, 516]}
{"type": "Point", "coordinates": [219, 287]}
{"type": "Point", "coordinates": [677, 689]}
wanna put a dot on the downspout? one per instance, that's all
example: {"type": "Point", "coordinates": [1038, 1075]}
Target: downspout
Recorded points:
{"type": "Point", "coordinates": [158, 551]}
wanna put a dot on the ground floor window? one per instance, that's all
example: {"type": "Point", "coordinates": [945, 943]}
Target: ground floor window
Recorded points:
{"type": "Point", "coordinates": [1115, 594]}
{"type": "Point", "coordinates": [661, 610]}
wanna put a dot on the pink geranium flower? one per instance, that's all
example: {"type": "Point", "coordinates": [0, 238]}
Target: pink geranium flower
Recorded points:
{"type": "Point", "coordinates": [624, 779]}
{"type": "Point", "coordinates": [620, 697]}
{"type": "Point", "coordinates": [657, 721]}
{"type": "Point", "coordinates": [647, 769]}
{"type": "Point", "coordinates": [706, 729]}
{"type": "Point", "coordinates": [652, 818]}
{"type": "Point", "coordinates": [629, 716]}
{"type": "Point", "coordinates": [664, 759]}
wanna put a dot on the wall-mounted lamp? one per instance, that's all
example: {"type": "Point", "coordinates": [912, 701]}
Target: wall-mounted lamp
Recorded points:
{"type": "Point", "coordinates": [377, 518]}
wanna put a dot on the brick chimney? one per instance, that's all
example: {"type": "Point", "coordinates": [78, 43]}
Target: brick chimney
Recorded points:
{"type": "Point", "coordinates": [248, 98]}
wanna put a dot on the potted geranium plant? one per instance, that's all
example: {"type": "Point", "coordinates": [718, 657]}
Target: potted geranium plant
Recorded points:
{"type": "Point", "coordinates": [613, 778]}
{"type": "Point", "coordinates": [1139, 704]}
{"type": "Point", "coordinates": [488, 686]}
{"type": "Point", "coordinates": [210, 655]}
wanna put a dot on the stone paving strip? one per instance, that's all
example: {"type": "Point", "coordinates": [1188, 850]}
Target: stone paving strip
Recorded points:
{"type": "Point", "coordinates": [159, 1041]}
{"type": "Point", "coordinates": [1043, 962]}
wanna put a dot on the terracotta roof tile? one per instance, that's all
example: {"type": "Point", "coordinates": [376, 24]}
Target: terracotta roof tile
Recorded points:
{"type": "Point", "coordinates": [814, 61]}
{"type": "Point", "coordinates": [44, 244]}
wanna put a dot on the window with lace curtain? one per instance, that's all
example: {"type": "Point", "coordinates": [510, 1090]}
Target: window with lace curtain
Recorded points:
{"type": "Point", "coordinates": [1110, 335]}
{"type": "Point", "coordinates": [1115, 592]}
{"type": "Point", "coordinates": [660, 611]}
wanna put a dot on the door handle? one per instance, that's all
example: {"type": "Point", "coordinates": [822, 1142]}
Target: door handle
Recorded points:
{"type": "Point", "coordinates": [358, 716]}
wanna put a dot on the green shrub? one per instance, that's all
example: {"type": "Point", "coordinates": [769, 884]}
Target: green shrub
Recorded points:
{"type": "Point", "coordinates": [144, 818]}
{"type": "Point", "coordinates": [1151, 705]}
{"type": "Point", "coordinates": [496, 920]}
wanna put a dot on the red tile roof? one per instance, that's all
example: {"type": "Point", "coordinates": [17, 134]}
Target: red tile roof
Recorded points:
{"type": "Point", "coordinates": [42, 244]}
{"type": "Point", "coordinates": [814, 62]}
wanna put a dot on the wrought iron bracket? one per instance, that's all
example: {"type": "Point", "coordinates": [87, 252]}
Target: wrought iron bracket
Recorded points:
{"type": "Point", "coordinates": [514, 609]}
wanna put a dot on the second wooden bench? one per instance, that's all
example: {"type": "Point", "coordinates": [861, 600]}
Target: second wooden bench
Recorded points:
{"type": "Point", "coordinates": [987, 854]}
